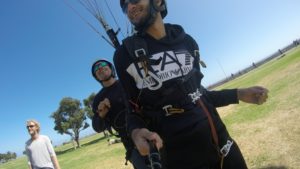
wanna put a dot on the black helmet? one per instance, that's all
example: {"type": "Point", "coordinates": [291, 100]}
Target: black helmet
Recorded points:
{"type": "Point", "coordinates": [153, 9]}
{"type": "Point", "coordinates": [113, 73]}
{"type": "Point", "coordinates": [163, 8]}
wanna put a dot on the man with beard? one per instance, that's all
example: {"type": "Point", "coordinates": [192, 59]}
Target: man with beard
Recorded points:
{"type": "Point", "coordinates": [39, 149]}
{"type": "Point", "coordinates": [109, 107]}
{"type": "Point", "coordinates": [159, 70]}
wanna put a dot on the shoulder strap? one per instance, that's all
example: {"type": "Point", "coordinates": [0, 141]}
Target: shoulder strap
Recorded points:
{"type": "Point", "coordinates": [138, 50]}
{"type": "Point", "coordinates": [192, 46]}
{"type": "Point", "coordinates": [136, 47]}
{"type": "Point", "coordinates": [193, 49]}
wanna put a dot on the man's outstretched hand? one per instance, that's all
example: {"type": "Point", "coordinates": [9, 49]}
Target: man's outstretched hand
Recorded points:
{"type": "Point", "coordinates": [255, 95]}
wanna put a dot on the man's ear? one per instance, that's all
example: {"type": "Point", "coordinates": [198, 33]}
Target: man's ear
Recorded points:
{"type": "Point", "coordinates": [157, 2]}
{"type": "Point", "coordinates": [158, 5]}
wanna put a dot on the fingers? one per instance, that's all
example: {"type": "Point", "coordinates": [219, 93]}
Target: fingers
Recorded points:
{"type": "Point", "coordinates": [260, 89]}
{"type": "Point", "coordinates": [261, 98]}
{"type": "Point", "coordinates": [143, 147]}
{"type": "Point", "coordinates": [106, 102]}
{"type": "Point", "coordinates": [261, 95]}
{"type": "Point", "coordinates": [155, 138]}
{"type": "Point", "coordinates": [141, 138]}
{"type": "Point", "coordinates": [138, 137]}
{"type": "Point", "coordinates": [103, 107]}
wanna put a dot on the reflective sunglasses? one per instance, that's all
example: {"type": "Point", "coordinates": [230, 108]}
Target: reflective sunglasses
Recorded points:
{"type": "Point", "coordinates": [99, 65]}
{"type": "Point", "coordinates": [30, 126]}
{"type": "Point", "coordinates": [126, 2]}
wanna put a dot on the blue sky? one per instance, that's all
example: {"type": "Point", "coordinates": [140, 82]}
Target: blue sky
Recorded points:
{"type": "Point", "coordinates": [46, 50]}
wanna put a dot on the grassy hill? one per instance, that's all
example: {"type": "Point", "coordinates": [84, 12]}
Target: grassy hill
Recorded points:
{"type": "Point", "coordinates": [268, 135]}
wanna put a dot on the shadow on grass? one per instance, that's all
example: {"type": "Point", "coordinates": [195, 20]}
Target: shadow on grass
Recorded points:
{"type": "Point", "coordinates": [274, 167]}
{"type": "Point", "coordinates": [83, 145]}
{"type": "Point", "coordinates": [94, 141]}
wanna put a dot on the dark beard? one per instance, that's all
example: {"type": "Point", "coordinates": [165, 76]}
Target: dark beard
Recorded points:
{"type": "Point", "coordinates": [107, 79]}
{"type": "Point", "coordinates": [146, 21]}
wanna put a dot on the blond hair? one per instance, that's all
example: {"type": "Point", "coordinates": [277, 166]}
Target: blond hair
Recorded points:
{"type": "Point", "coordinates": [36, 123]}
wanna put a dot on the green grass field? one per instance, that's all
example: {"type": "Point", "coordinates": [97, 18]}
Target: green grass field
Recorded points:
{"type": "Point", "coordinates": [268, 135]}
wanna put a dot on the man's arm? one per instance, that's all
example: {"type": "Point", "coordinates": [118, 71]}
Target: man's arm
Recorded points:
{"type": "Point", "coordinates": [254, 95]}
{"type": "Point", "coordinates": [98, 122]}
{"type": "Point", "coordinates": [55, 162]}
{"type": "Point", "coordinates": [52, 153]}
{"type": "Point", "coordinates": [29, 166]}
{"type": "Point", "coordinates": [27, 155]}
{"type": "Point", "coordinates": [221, 97]}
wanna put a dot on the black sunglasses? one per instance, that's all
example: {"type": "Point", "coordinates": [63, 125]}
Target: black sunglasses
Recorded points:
{"type": "Point", "coordinates": [30, 126]}
{"type": "Point", "coordinates": [126, 2]}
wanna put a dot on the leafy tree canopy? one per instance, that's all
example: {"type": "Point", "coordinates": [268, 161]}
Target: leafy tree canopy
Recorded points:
{"type": "Point", "coordinates": [70, 118]}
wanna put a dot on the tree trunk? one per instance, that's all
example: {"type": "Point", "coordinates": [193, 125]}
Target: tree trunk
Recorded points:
{"type": "Point", "coordinates": [74, 143]}
{"type": "Point", "coordinates": [77, 141]}
{"type": "Point", "coordinates": [77, 138]}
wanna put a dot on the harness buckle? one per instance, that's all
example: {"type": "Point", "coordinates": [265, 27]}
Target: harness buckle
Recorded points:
{"type": "Point", "coordinates": [226, 148]}
{"type": "Point", "coordinates": [166, 109]}
{"type": "Point", "coordinates": [196, 53]}
{"type": "Point", "coordinates": [140, 52]}
{"type": "Point", "coordinates": [169, 109]}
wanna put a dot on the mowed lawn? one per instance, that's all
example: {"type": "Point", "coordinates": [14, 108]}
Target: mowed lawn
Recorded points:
{"type": "Point", "coordinates": [268, 135]}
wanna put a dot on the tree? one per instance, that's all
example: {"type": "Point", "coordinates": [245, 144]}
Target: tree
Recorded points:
{"type": "Point", "coordinates": [2, 158]}
{"type": "Point", "coordinates": [14, 155]}
{"type": "Point", "coordinates": [70, 118]}
{"type": "Point", "coordinates": [7, 156]}
{"type": "Point", "coordinates": [88, 103]}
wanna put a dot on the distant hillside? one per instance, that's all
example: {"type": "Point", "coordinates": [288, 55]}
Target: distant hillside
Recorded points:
{"type": "Point", "coordinates": [254, 65]}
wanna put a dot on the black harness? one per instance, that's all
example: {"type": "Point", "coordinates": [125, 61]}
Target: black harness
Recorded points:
{"type": "Point", "coordinates": [138, 51]}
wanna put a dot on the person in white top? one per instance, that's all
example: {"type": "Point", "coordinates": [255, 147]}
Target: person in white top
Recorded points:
{"type": "Point", "coordinates": [39, 149]}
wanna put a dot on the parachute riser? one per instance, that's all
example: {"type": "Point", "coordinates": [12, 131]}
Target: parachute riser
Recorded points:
{"type": "Point", "coordinates": [110, 32]}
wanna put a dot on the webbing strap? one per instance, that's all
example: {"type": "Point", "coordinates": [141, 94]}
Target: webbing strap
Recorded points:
{"type": "Point", "coordinates": [134, 44]}
{"type": "Point", "coordinates": [138, 50]}
{"type": "Point", "coordinates": [210, 121]}
{"type": "Point", "coordinates": [212, 127]}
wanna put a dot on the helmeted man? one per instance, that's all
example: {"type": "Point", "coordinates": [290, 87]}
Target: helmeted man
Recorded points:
{"type": "Point", "coordinates": [159, 70]}
{"type": "Point", "coordinates": [109, 107]}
